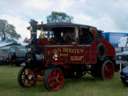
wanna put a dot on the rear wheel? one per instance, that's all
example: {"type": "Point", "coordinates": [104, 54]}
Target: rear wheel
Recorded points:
{"type": "Point", "coordinates": [26, 77]}
{"type": "Point", "coordinates": [107, 70]}
{"type": "Point", "coordinates": [54, 79]}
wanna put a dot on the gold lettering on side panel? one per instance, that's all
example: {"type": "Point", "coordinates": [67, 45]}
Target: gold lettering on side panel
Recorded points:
{"type": "Point", "coordinates": [76, 58]}
{"type": "Point", "coordinates": [68, 51]}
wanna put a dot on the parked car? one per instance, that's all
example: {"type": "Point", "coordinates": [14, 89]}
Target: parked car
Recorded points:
{"type": "Point", "coordinates": [17, 54]}
{"type": "Point", "coordinates": [13, 54]}
{"type": "Point", "coordinates": [3, 56]}
{"type": "Point", "coordinates": [122, 58]}
{"type": "Point", "coordinates": [124, 75]}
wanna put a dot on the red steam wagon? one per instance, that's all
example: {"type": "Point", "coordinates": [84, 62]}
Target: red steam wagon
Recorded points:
{"type": "Point", "coordinates": [67, 51]}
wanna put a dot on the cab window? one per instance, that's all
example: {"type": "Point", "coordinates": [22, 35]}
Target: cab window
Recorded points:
{"type": "Point", "coordinates": [85, 36]}
{"type": "Point", "coordinates": [64, 35]}
{"type": "Point", "coordinates": [59, 35]}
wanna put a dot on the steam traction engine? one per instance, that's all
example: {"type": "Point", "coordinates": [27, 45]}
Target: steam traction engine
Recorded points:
{"type": "Point", "coordinates": [69, 51]}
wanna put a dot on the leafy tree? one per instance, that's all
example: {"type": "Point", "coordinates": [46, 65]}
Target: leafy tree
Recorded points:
{"type": "Point", "coordinates": [3, 23]}
{"type": "Point", "coordinates": [59, 17]}
{"type": "Point", "coordinates": [7, 30]}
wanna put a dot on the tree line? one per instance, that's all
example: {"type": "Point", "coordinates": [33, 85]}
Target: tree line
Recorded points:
{"type": "Point", "coordinates": [8, 31]}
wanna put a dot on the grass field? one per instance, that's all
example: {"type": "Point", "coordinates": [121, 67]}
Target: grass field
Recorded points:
{"type": "Point", "coordinates": [84, 87]}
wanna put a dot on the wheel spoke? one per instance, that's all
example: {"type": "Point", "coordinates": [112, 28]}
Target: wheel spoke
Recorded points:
{"type": "Point", "coordinates": [26, 82]}
{"type": "Point", "coordinates": [58, 75]}
{"type": "Point", "coordinates": [22, 76]}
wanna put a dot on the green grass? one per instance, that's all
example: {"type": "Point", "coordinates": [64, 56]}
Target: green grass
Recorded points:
{"type": "Point", "coordinates": [84, 87]}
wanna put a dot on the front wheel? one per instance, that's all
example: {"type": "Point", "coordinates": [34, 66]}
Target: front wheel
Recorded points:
{"type": "Point", "coordinates": [54, 79]}
{"type": "Point", "coordinates": [26, 77]}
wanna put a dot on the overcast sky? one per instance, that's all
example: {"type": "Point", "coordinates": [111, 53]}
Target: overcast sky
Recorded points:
{"type": "Point", "coordinates": [108, 15]}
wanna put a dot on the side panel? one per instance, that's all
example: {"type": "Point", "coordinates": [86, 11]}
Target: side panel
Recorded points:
{"type": "Point", "coordinates": [71, 54]}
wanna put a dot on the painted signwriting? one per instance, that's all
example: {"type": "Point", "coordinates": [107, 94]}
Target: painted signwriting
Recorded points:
{"type": "Point", "coordinates": [76, 58]}
{"type": "Point", "coordinates": [75, 54]}
{"type": "Point", "coordinates": [69, 50]}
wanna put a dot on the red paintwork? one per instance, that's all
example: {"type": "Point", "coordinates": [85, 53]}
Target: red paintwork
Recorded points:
{"type": "Point", "coordinates": [65, 54]}
{"type": "Point", "coordinates": [110, 51]}
{"type": "Point", "coordinates": [75, 53]}
{"type": "Point", "coordinates": [72, 58]}
{"type": "Point", "coordinates": [107, 70]}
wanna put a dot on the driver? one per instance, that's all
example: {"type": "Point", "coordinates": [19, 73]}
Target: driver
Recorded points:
{"type": "Point", "coordinates": [68, 37]}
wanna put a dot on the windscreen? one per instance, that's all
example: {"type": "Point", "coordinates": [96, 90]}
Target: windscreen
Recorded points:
{"type": "Point", "coordinates": [59, 35]}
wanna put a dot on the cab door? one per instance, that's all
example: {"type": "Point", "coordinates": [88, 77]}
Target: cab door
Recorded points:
{"type": "Point", "coordinates": [87, 42]}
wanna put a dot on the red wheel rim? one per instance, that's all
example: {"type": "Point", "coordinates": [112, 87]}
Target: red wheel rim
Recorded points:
{"type": "Point", "coordinates": [107, 70]}
{"type": "Point", "coordinates": [56, 80]}
{"type": "Point", "coordinates": [28, 77]}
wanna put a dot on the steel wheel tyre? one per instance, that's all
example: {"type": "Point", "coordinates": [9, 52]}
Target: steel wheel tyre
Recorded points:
{"type": "Point", "coordinates": [107, 70]}
{"type": "Point", "coordinates": [26, 77]}
{"type": "Point", "coordinates": [54, 79]}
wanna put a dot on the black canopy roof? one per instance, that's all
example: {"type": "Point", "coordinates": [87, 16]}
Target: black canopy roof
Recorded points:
{"type": "Point", "coordinates": [57, 25]}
